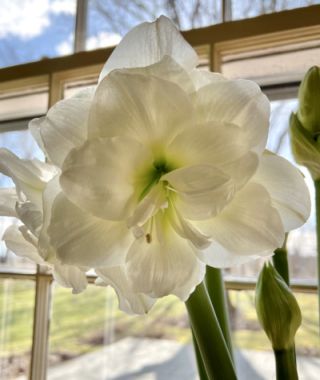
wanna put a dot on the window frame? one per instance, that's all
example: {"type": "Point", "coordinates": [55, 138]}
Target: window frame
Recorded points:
{"type": "Point", "coordinates": [278, 29]}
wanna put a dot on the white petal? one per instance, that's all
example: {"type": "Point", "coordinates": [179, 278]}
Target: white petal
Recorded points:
{"type": "Point", "coordinates": [51, 191]}
{"type": "Point", "coordinates": [70, 276]}
{"type": "Point", "coordinates": [167, 68]}
{"type": "Point", "coordinates": [149, 109]}
{"type": "Point", "coordinates": [287, 188]}
{"type": "Point", "coordinates": [84, 240]}
{"type": "Point", "coordinates": [64, 127]}
{"type": "Point", "coordinates": [149, 205]}
{"type": "Point", "coordinates": [249, 225]}
{"type": "Point", "coordinates": [202, 190]}
{"type": "Point", "coordinates": [30, 215]}
{"type": "Point", "coordinates": [202, 78]}
{"type": "Point", "coordinates": [162, 266]}
{"type": "Point", "coordinates": [188, 231]}
{"type": "Point", "coordinates": [29, 176]}
{"type": "Point", "coordinates": [213, 143]}
{"type": "Point", "coordinates": [218, 256]}
{"type": "Point", "coordinates": [8, 200]}
{"type": "Point", "coordinates": [16, 242]}
{"type": "Point", "coordinates": [240, 102]}
{"type": "Point", "coordinates": [241, 170]}
{"type": "Point", "coordinates": [148, 43]}
{"type": "Point", "coordinates": [100, 175]}
{"type": "Point", "coordinates": [129, 301]}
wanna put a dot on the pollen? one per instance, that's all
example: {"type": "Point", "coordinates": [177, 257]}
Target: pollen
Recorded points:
{"type": "Point", "coordinates": [148, 238]}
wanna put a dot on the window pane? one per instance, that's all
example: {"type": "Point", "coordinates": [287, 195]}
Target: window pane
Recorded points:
{"type": "Point", "coordinates": [91, 338]}
{"type": "Point", "coordinates": [16, 321]}
{"type": "Point", "coordinates": [272, 65]}
{"type": "Point", "coordinates": [109, 20]}
{"type": "Point", "coordinates": [252, 8]}
{"type": "Point", "coordinates": [34, 29]}
{"type": "Point", "coordinates": [253, 346]}
{"type": "Point", "coordinates": [21, 106]}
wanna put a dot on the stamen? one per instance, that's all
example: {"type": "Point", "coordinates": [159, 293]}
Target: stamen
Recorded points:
{"type": "Point", "coordinates": [149, 234]}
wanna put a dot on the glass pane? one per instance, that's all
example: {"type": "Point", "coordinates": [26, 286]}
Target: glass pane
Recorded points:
{"type": "Point", "coordinates": [16, 321]}
{"type": "Point", "coordinates": [252, 8]}
{"type": "Point", "coordinates": [91, 338]}
{"type": "Point", "coordinates": [22, 144]}
{"type": "Point", "coordinates": [109, 20]}
{"type": "Point", "coordinates": [34, 29]}
{"type": "Point", "coordinates": [253, 347]}
{"type": "Point", "coordinates": [24, 105]}
{"type": "Point", "coordinates": [272, 65]}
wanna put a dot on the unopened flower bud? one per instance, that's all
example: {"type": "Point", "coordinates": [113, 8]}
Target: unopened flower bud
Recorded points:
{"type": "Point", "coordinates": [309, 101]}
{"type": "Point", "coordinates": [278, 310]}
{"type": "Point", "coordinates": [305, 147]}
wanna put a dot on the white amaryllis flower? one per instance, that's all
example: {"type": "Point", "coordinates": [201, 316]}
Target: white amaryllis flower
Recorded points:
{"type": "Point", "coordinates": [163, 170]}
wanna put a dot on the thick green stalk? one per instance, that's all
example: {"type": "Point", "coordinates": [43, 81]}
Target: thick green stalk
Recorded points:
{"type": "Point", "coordinates": [201, 370]}
{"type": "Point", "coordinates": [214, 351]}
{"type": "Point", "coordinates": [280, 261]}
{"type": "Point", "coordinates": [216, 290]}
{"type": "Point", "coordinates": [286, 368]}
{"type": "Point", "coordinates": [317, 189]}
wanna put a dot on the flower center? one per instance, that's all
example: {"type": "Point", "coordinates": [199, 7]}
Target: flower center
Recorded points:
{"type": "Point", "coordinates": [158, 169]}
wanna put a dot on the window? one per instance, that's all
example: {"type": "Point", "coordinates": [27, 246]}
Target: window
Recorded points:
{"type": "Point", "coordinates": [91, 334]}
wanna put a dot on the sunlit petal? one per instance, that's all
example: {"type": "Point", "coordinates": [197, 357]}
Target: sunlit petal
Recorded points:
{"type": "Point", "coordinates": [82, 239]}
{"type": "Point", "coordinates": [70, 277]}
{"type": "Point", "coordinates": [148, 43]}
{"type": "Point", "coordinates": [64, 127]}
{"type": "Point", "coordinates": [249, 225]}
{"type": "Point", "coordinates": [149, 109]}
{"type": "Point", "coordinates": [287, 189]}
{"type": "Point", "coordinates": [158, 267]}
{"type": "Point", "coordinates": [100, 175]}
{"type": "Point", "coordinates": [129, 301]}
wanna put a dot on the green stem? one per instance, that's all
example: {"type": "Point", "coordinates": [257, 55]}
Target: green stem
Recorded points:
{"type": "Point", "coordinates": [286, 367]}
{"type": "Point", "coordinates": [280, 261]}
{"type": "Point", "coordinates": [317, 189]}
{"type": "Point", "coordinates": [214, 351]}
{"type": "Point", "coordinates": [201, 370]}
{"type": "Point", "coordinates": [216, 290]}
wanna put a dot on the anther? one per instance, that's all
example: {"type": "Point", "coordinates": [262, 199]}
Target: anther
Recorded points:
{"type": "Point", "coordinates": [148, 238]}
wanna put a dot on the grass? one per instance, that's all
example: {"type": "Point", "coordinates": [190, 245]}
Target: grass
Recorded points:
{"type": "Point", "coordinates": [84, 322]}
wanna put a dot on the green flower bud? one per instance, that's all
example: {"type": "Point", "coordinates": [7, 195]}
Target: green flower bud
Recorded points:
{"type": "Point", "coordinates": [305, 147]}
{"type": "Point", "coordinates": [278, 310]}
{"type": "Point", "coordinates": [309, 101]}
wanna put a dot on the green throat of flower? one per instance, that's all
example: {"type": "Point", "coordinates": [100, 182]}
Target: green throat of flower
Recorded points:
{"type": "Point", "coordinates": [158, 169]}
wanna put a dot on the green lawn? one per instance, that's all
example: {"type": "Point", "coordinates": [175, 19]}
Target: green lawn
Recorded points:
{"type": "Point", "coordinates": [84, 322]}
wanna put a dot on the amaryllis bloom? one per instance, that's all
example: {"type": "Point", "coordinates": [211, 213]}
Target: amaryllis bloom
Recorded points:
{"type": "Point", "coordinates": [163, 171]}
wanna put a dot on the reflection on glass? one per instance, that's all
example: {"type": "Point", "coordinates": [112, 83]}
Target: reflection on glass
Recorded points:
{"type": "Point", "coordinates": [109, 20]}
{"type": "Point", "coordinates": [23, 145]}
{"type": "Point", "coordinates": [253, 347]}
{"type": "Point", "coordinates": [251, 8]}
{"type": "Point", "coordinates": [34, 29]}
{"type": "Point", "coordinates": [89, 335]}
{"type": "Point", "coordinates": [16, 320]}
